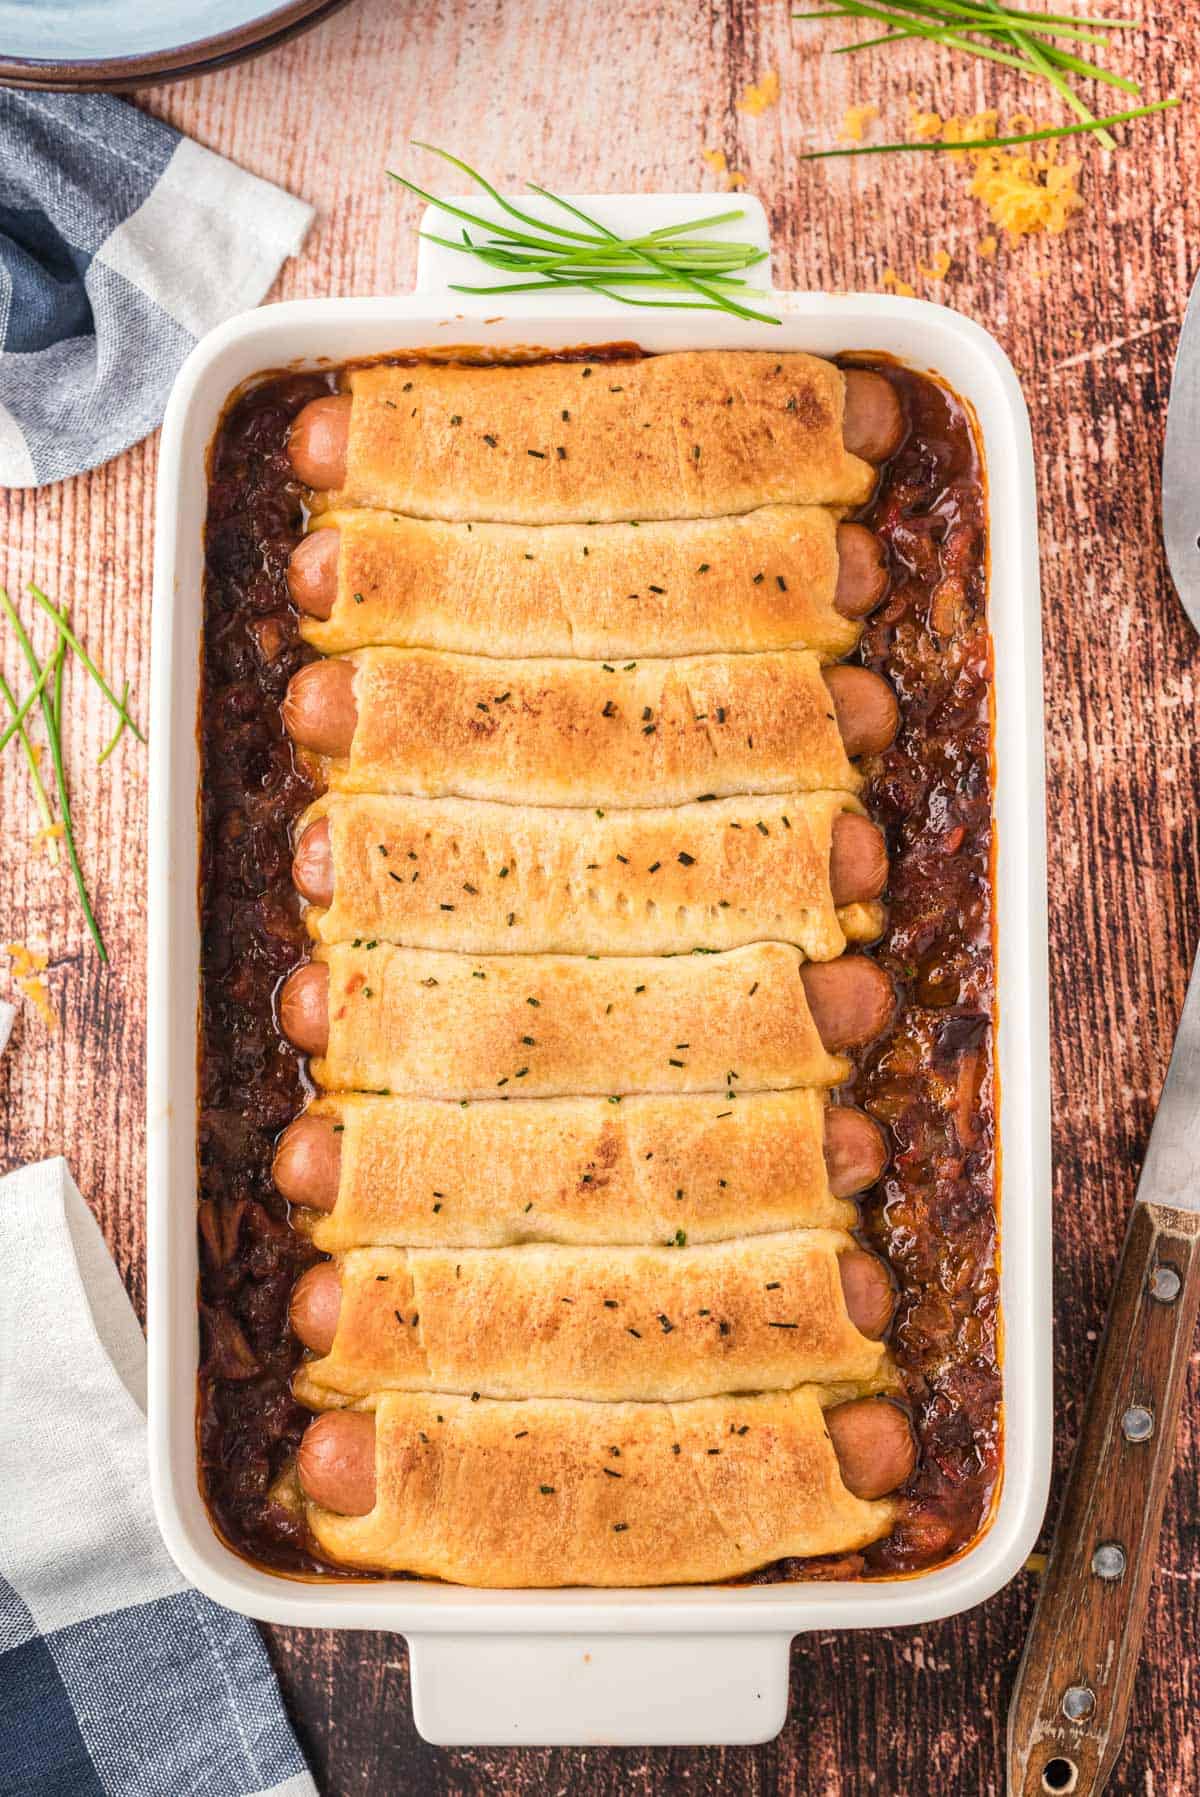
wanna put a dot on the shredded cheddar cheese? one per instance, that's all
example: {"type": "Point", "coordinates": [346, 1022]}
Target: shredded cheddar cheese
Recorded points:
{"type": "Point", "coordinates": [938, 269]}
{"type": "Point", "coordinates": [855, 121]}
{"type": "Point", "coordinates": [760, 94]}
{"type": "Point", "coordinates": [49, 835]}
{"type": "Point", "coordinates": [1028, 189]}
{"type": "Point", "coordinates": [893, 284]}
{"type": "Point", "coordinates": [28, 966]}
{"type": "Point", "coordinates": [1028, 195]}
{"type": "Point", "coordinates": [922, 124]}
{"type": "Point", "coordinates": [716, 161]}
{"type": "Point", "coordinates": [988, 246]}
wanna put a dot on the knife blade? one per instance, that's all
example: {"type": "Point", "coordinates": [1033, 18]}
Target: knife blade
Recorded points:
{"type": "Point", "coordinates": [1171, 1170]}
{"type": "Point", "coordinates": [1069, 1710]}
{"type": "Point", "coordinates": [1180, 487]}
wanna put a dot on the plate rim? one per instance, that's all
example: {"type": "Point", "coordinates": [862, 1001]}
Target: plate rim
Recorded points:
{"type": "Point", "coordinates": [196, 57]}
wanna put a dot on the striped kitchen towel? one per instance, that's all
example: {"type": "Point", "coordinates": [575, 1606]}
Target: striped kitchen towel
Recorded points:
{"type": "Point", "coordinates": [116, 1678]}
{"type": "Point", "coordinates": [121, 243]}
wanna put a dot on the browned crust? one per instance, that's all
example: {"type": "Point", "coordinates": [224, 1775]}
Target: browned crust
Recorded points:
{"type": "Point", "coordinates": [611, 1324]}
{"type": "Point", "coordinates": [493, 879]}
{"type": "Point", "coordinates": [416, 1022]}
{"type": "Point", "coordinates": [686, 435]}
{"type": "Point", "coordinates": [576, 1170]}
{"type": "Point", "coordinates": [765, 580]}
{"type": "Point", "coordinates": [592, 733]}
{"type": "Point", "coordinates": [499, 1493]}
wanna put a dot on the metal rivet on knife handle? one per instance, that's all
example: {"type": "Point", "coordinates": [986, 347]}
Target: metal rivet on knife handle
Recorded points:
{"type": "Point", "coordinates": [1108, 1561]}
{"type": "Point", "coordinates": [1165, 1284]}
{"type": "Point", "coordinates": [1078, 1703]}
{"type": "Point", "coordinates": [1137, 1424]}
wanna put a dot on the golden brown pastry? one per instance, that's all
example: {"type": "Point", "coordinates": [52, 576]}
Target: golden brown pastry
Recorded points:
{"type": "Point", "coordinates": [430, 1025]}
{"type": "Point", "coordinates": [604, 592]}
{"type": "Point", "coordinates": [548, 1491]}
{"type": "Point", "coordinates": [607, 1324]}
{"type": "Point", "coordinates": [693, 434]}
{"type": "Point", "coordinates": [430, 1172]}
{"type": "Point", "coordinates": [485, 878]}
{"type": "Point", "coordinates": [572, 732]}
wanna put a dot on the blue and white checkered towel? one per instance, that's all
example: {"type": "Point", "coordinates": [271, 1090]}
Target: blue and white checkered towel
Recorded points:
{"type": "Point", "coordinates": [116, 1678]}
{"type": "Point", "coordinates": [121, 243]}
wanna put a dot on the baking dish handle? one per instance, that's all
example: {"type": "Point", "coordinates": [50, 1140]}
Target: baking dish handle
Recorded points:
{"type": "Point", "coordinates": [597, 1690]}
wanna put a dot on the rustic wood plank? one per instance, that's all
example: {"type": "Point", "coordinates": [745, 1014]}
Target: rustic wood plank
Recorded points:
{"type": "Point", "coordinates": [585, 97]}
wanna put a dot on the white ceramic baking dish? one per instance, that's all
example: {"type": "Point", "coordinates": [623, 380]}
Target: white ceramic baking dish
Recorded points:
{"type": "Point", "coordinates": [675, 1665]}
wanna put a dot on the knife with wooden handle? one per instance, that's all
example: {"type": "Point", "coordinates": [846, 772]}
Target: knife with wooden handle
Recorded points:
{"type": "Point", "coordinates": [1074, 1685]}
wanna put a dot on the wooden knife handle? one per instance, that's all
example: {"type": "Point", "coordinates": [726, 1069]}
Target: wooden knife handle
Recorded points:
{"type": "Point", "coordinates": [1075, 1682]}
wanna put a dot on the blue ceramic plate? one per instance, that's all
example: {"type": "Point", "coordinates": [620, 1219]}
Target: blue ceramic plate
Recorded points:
{"type": "Point", "coordinates": [79, 42]}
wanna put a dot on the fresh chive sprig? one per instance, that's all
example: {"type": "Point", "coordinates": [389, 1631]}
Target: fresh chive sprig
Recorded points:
{"type": "Point", "coordinates": [59, 620]}
{"type": "Point", "coordinates": [118, 733]}
{"type": "Point", "coordinates": [999, 32]}
{"type": "Point", "coordinates": [21, 711]}
{"type": "Point", "coordinates": [47, 691]}
{"type": "Point", "coordinates": [989, 143]}
{"type": "Point", "coordinates": [17, 728]}
{"type": "Point", "coordinates": [56, 755]}
{"type": "Point", "coordinates": [545, 255]}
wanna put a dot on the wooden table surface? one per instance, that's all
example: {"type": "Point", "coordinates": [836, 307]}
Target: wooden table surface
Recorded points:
{"type": "Point", "coordinates": [627, 98]}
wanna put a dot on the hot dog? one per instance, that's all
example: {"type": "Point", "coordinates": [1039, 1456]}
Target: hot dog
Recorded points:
{"type": "Point", "coordinates": [858, 862]}
{"type": "Point", "coordinates": [867, 714]}
{"type": "Point", "coordinates": [598, 1324]}
{"type": "Point", "coordinates": [851, 1001]}
{"type": "Point", "coordinates": [312, 574]}
{"type": "Point", "coordinates": [336, 1462]}
{"type": "Point", "coordinates": [855, 1150]}
{"type": "Point", "coordinates": [663, 1274]}
{"type": "Point", "coordinates": [559, 732]}
{"type": "Point", "coordinates": [862, 577]}
{"type": "Point", "coordinates": [873, 421]}
{"type": "Point", "coordinates": [858, 859]}
{"type": "Point", "coordinates": [561, 442]}
{"type": "Point", "coordinates": [318, 440]}
{"type": "Point", "coordinates": [577, 1171]}
{"type": "Point", "coordinates": [781, 577]}
{"type": "Point", "coordinates": [872, 1440]}
{"type": "Point", "coordinates": [308, 1159]}
{"type": "Point", "coordinates": [562, 881]}
{"type": "Point", "coordinates": [874, 1443]}
{"type": "Point", "coordinates": [424, 1023]}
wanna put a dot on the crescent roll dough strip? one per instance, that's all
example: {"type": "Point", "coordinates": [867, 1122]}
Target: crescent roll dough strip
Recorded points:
{"type": "Point", "coordinates": [502, 1493]}
{"type": "Point", "coordinates": [690, 435]}
{"type": "Point", "coordinates": [608, 1324]}
{"type": "Point", "coordinates": [431, 1025]}
{"type": "Point", "coordinates": [576, 1170]}
{"type": "Point", "coordinates": [524, 880]}
{"type": "Point", "coordinates": [591, 733]}
{"type": "Point", "coordinates": [765, 580]}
